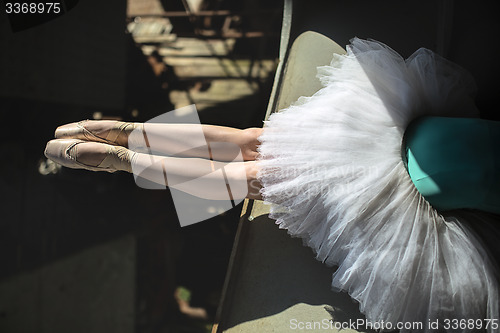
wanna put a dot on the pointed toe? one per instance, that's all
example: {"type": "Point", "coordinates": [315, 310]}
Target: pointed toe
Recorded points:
{"type": "Point", "coordinates": [58, 151]}
{"type": "Point", "coordinates": [73, 130]}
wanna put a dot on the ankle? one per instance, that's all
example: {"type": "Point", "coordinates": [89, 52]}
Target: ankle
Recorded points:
{"type": "Point", "coordinates": [136, 139]}
{"type": "Point", "coordinates": [124, 159]}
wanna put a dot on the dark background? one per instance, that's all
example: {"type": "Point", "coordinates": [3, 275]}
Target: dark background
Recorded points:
{"type": "Point", "coordinates": [65, 70]}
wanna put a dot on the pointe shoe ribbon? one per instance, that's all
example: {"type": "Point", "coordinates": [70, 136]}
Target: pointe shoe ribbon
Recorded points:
{"type": "Point", "coordinates": [62, 151]}
{"type": "Point", "coordinates": [79, 131]}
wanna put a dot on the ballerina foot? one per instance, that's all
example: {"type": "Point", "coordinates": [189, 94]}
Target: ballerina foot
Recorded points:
{"type": "Point", "coordinates": [94, 156]}
{"type": "Point", "coordinates": [105, 131]}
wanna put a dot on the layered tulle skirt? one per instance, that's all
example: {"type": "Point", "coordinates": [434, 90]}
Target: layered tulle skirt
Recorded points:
{"type": "Point", "coordinates": [331, 166]}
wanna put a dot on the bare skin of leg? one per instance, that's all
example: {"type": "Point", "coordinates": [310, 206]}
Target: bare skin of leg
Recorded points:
{"type": "Point", "coordinates": [200, 177]}
{"type": "Point", "coordinates": [184, 139]}
{"type": "Point", "coordinates": [177, 172]}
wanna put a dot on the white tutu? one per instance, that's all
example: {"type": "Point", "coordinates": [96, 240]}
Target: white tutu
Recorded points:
{"type": "Point", "coordinates": [331, 165]}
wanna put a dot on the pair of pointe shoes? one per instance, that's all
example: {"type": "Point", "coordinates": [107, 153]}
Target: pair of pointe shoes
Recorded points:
{"type": "Point", "coordinates": [64, 149]}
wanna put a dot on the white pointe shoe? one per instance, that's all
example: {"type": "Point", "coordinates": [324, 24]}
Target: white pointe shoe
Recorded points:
{"type": "Point", "coordinates": [64, 152]}
{"type": "Point", "coordinates": [79, 131]}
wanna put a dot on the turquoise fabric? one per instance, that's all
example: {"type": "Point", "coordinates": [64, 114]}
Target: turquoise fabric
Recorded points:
{"type": "Point", "coordinates": [455, 162]}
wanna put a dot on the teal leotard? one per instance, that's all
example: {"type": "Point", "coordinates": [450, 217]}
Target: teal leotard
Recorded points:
{"type": "Point", "coordinates": [455, 162]}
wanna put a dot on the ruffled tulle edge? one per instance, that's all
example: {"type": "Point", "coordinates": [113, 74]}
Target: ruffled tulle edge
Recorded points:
{"type": "Point", "coordinates": [285, 216]}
